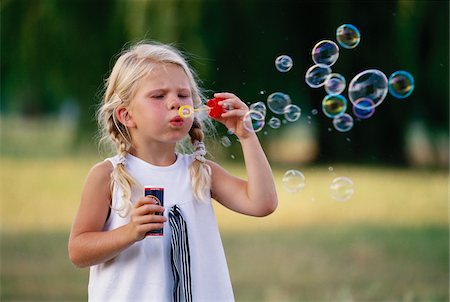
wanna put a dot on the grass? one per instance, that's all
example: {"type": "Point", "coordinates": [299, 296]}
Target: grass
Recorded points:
{"type": "Point", "coordinates": [35, 267]}
{"type": "Point", "coordinates": [363, 263]}
{"type": "Point", "coordinates": [389, 242]}
{"type": "Point", "coordinates": [35, 137]}
{"type": "Point", "coordinates": [44, 194]}
{"type": "Point", "coordinates": [399, 197]}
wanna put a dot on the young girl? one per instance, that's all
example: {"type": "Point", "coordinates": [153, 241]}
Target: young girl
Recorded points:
{"type": "Point", "coordinates": [139, 115]}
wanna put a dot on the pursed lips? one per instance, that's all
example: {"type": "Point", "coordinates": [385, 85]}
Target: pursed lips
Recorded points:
{"type": "Point", "coordinates": [177, 121]}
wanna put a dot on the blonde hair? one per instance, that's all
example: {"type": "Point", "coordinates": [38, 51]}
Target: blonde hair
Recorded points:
{"type": "Point", "coordinates": [132, 65]}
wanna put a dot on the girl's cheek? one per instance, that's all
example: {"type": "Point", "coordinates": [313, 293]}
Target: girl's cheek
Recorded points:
{"type": "Point", "coordinates": [189, 122]}
{"type": "Point", "coordinates": [157, 107]}
{"type": "Point", "coordinates": [188, 101]}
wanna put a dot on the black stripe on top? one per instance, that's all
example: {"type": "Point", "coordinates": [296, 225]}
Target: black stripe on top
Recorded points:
{"type": "Point", "coordinates": [180, 256]}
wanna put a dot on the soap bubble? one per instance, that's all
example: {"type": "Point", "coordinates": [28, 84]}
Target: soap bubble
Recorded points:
{"type": "Point", "coordinates": [259, 106]}
{"type": "Point", "coordinates": [363, 108]}
{"type": "Point", "coordinates": [278, 101]}
{"type": "Point", "coordinates": [348, 36]}
{"type": "Point", "coordinates": [334, 105]}
{"type": "Point", "coordinates": [254, 121]}
{"type": "Point", "coordinates": [283, 63]}
{"type": "Point", "coordinates": [325, 52]}
{"type": "Point", "coordinates": [293, 181]}
{"type": "Point", "coordinates": [335, 84]}
{"type": "Point", "coordinates": [343, 123]}
{"type": "Point", "coordinates": [226, 142]}
{"type": "Point", "coordinates": [401, 84]}
{"type": "Point", "coordinates": [292, 112]}
{"type": "Point", "coordinates": [341, 188]}
{"type": "Point", "coordinates": [370, 84]}
{"type": "Point", "coordinates": [274, 123]}
{"type": "Point", "coordinates": [316, 75]}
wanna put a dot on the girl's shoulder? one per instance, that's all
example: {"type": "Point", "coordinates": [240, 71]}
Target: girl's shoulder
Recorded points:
{"type": "Point", "coordinates": [101, 172]}
{"type": "Point", "coordinates": [114, 160]}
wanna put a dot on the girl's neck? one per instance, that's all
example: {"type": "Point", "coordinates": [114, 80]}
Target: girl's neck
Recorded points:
{"type": "Point", "coordinates": [159, 155]}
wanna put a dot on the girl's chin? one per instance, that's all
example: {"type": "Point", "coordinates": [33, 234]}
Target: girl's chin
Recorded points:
{"type": "Point", "coordinates": [178, 137]}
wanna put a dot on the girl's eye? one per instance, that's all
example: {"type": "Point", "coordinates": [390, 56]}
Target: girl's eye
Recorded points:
{"type": "Point", "coordinates": [184, 96]}
{"type": "Point", "coordinates": [158, 96]}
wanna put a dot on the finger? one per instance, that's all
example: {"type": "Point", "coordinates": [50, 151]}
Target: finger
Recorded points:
{"type": "Point", "coordinates": [234, 102]}
{"type": "Point", "coordinates": [234, 113]}
{"type": "Point", "coordinates": [143, 201]}
{"type": "Point", "coordinates": [148, 209]}
{"type": "Point", "coordinates": [224, 95]}
{"type": "Point", "coordinates": [150, 219]}
{"type": "Point", "coordinates": [151, 227]}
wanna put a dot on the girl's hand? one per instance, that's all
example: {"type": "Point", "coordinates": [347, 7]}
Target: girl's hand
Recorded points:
{"type": "Point", "coordinates": [144, 218]}
{"type": "Point", "coordinates": [233, 118]}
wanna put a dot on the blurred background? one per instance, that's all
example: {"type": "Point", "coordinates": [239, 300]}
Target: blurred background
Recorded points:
{"type": "Point", "coordinates": [388, 242]}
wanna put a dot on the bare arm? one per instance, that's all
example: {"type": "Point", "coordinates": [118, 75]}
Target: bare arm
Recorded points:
{"type": "Point", "coordinates": [257, 196]}
{"type": "Point", "coordinates": [88, 243]}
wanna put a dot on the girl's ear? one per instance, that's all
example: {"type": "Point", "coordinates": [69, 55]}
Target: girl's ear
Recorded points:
{"type": "Point", "coordinates": [124, 117]}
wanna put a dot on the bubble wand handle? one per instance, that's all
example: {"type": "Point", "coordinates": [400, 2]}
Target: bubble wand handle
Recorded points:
{"type": "Point", "coordinates": [202, 109]}
{"type": "Point", "coordinates": [187, 110]}
{"type": "Point", "coordinates": [215, 110]}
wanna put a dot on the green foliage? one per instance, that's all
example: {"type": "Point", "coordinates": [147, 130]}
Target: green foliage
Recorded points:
{"type": "Point", "coordinates": [54, 51]}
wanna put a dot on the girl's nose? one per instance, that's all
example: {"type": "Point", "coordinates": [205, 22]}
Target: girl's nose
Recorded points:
{"type": "Point", "coordinates": [175, 104]}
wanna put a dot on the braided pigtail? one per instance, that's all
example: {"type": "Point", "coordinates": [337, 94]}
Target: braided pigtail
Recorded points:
{"type": "Point", "coordinates": [200, 171]}
{"type": "Point", "coordinates": [121, 139]}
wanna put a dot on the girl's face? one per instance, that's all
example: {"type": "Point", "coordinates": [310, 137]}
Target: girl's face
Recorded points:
{"type": "Point", "coordinates": [154, 109]}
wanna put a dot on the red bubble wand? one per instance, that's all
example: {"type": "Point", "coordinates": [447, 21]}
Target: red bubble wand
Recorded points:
{"type": "Point", "coordinates": [215, 110]}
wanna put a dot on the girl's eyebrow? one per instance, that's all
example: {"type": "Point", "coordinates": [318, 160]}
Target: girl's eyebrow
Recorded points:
{"type": "Point", "coordinates": [184, 90]}
{"type": "Point", "coordinates": [153, 92]}
{"type": "Point", "coordinates": [156, 91]}
{"type": "Point", "coordinates": [163, 90]}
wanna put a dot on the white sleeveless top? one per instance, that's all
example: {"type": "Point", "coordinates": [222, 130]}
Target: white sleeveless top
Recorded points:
{"type": "Point", "coordinates": [143, 271]}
